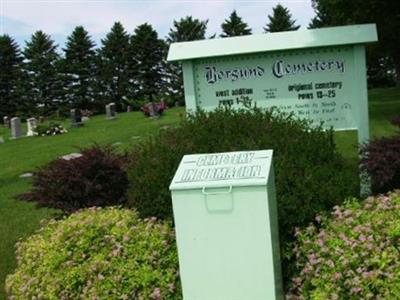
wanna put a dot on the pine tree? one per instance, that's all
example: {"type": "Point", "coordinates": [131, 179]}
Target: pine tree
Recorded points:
{"type": "Point", "coordinates": [234, 26]}
{"type": "Point", "coordinates": [184, 30]}
{"type": "Point", "coordinates": [281, 20]}
{"type": "Point", "coordinates": [113, 60]}
{"type": "Point", "coordinates": [147, 54]}
{"type": "Point", "coordinates": [78, 70]}
{"type": "Point", "coordinates": [187, 29]}
{"type": "Point", "coordinates": [43, 87]}
{"type": "Point", "coordinates": [10, 75]}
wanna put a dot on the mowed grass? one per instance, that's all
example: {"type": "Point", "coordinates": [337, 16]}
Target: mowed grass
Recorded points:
{"type": "Point", "coordinates": [19, 219]}
{"type": "Point", "coordinates": [384, 105]}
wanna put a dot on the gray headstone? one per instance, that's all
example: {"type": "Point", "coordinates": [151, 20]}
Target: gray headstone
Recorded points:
{"type": "Point", "coordinates": [76, 117]}
{"type": "Point", "coordinates": [110, 111]}
{"type": "Point", "coordinates": [6, 121]}
{"type": "Point", "coordinates": [31, 124]}
{"type": "Point", "coordinates": [15, 128]}
{"type": "Point", "coordinates": [152, 111]}
{"type": "Point", "coordinates": [128, 108]}
{"type": "Point", "coordinates": [71, 156]}
{"type": "Point", "coordinates": [1, 140]}
{"type": "Point", "coordinates": [26, 175]}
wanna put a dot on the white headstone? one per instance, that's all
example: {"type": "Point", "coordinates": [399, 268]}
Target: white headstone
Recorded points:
{"type": "Point", "coordinates": [110, 111]}
{"type": "Point", "coordinates": [31, 124]}
{"type": "Point", "coordinates": [6, 121]}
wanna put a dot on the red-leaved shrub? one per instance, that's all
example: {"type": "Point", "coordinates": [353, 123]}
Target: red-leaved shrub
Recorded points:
{"type": "Point", "coordinates": [97, 178]}
{"type": "Point", "coordinates": [380, 159]}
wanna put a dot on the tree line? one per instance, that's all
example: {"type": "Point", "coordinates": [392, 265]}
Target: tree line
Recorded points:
{"type": "Point", "coordinates": [131, 68]}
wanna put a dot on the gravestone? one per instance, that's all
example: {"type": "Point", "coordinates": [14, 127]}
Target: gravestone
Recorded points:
{"type": "Point", "coordinates": [152, 111]}
{"type": "Point", "coordinates": [316, 74]}
{"type": "Point", "coordinates": [111, 111]}
{"type": "Point", "coordinates": [71, 156]}
{"type": "Point", "coordinates": [225, 216]}
{"type": "Point", "coordinates": [128, 108]}
{"type": "Point", "coordinates": [1, 140]}
{"type": "Point", "coordinates": [31, 124]}
{"type": "Point", "coordinates": [15, 128]}
{"type": "Point", "coordinates": [6, 121]}
{"type": "Point", "coordinates": [76, 118]}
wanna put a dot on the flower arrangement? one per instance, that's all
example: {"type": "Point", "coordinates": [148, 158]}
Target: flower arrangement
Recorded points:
{"type": "Point", "coordinates": [98, 253]}
{"type": "Point", "coordinates": [354, 254]}
{"type": "Point", "coordinates": [86, 113]}
{"type": "Point", "coordinates": [51, 128]}
{"type": "Point", "coordinates": [159, 108]}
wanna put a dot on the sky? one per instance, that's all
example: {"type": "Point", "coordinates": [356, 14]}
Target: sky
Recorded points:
{"type": "Point", "coordinates": [20, 18]}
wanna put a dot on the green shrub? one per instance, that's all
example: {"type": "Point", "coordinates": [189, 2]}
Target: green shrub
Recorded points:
{"type": "Point", "coordinates": [97, 254]}
{"type": "Point", "coordinates": [310, 175]}
{"type": "Point", "coordinates": [353, 255]}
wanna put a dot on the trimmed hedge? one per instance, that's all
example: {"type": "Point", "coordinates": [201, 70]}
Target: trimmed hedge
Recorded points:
{"type": "Point", "coordinates": [98, 253]}
{"type": "Point", "coordinates": [354, 254]}
{"type": "Point", "coordinates": [310, 174]}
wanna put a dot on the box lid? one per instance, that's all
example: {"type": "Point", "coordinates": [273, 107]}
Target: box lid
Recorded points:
{"type": "Point", "coordinates": [228, 169]}
{"type": "Point", "coordinates": [277, 41]}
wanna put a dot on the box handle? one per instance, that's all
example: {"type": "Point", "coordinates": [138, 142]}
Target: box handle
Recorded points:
{"type": "Point", "coordinates": [217, 193]}
{"type": "Point", "coordinates": [218, 201]}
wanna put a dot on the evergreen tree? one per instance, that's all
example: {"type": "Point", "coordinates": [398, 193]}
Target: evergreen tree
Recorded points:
{"type": "Point", "coordinates": [184, 30]}
{"type": "Point", "coordinates": [10, 75]}
{"type": "Point", "coordinates": [78, 68]}
{"type": "Point", "coordinates": [234, 26]}
{"type": "Point", "coordinates": [113, 61]}
{"type": "Point", "coordinates": [43, 87]}
{"type": "Point", "coordinates": [187, 29]}
{"type": "Point", "coordinates": [383, 57]}
{"type": "Point", "coordinates": [147, 58]}
{"type": "Point", "coordinates": [281, 20]}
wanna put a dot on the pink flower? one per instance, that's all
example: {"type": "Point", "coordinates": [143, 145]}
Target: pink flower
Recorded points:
{"type": "Point", "coordinates": [337, 276]}
{"type": "Point", "coordinates": [156, 295]}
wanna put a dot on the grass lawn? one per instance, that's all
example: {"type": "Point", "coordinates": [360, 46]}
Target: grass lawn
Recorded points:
{"type": "Point", "coordinates": [19, 219]}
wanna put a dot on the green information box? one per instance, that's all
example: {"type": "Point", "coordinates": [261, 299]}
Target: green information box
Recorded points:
{"type": "Point", "coordinates": [225, 215]}
{"type": "Point", "coordinates": [317, 74]}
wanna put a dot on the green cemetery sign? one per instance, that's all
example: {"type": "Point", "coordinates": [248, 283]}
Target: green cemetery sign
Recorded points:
{"type": "Point", "coordinates": [317, 74]}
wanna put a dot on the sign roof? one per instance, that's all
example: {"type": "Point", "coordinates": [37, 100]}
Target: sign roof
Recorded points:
{"type": "Point", "coordinates": [303, 38]}
{"type": "Point", "coordinates": [228, 169]}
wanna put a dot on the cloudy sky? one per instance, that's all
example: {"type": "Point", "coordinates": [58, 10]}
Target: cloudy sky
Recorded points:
{"type": "Point", "coordinates": [20, 18]}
